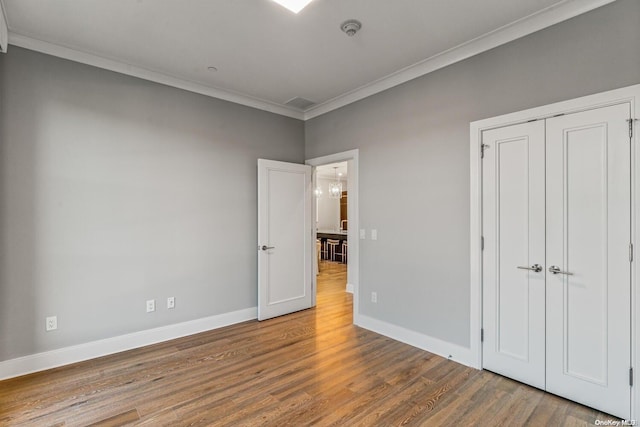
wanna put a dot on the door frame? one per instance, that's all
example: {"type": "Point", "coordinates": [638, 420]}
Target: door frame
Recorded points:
{"type": "Point", "coordinates": [629, 94]}
{"type": "Point", "coordinates": [353, 266]}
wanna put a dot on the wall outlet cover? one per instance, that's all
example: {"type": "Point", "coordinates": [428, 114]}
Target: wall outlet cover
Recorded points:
{"type": "Point", "coordinates": [51, 323]}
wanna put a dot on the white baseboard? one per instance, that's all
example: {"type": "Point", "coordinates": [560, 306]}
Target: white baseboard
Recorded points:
{"type": "Point", "coordinates": [445, 349]}
{"type": "Point", "coordinates": [350, 288]}
{"type": "Point", "coordinates": [78, 353]}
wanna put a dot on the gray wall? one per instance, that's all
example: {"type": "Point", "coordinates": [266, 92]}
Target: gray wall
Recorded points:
{"type": "Point", "coordinates": [414, 157]}
{"type": "Point", "coordinates": [114, 190]}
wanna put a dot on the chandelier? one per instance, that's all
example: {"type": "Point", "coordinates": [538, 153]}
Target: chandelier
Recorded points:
{"type": "Point", "coordinates": [335, 187]}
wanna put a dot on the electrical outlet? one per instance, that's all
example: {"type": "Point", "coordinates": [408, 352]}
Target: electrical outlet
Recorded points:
{"type": "Point", "coordinates": [171, 302]}
{"type": "Point", "coordinates": [51, 323]}
{"type": "Point", "coordinates": [374, 297]}
{"type": "Point", "coordinates": [151, 305]}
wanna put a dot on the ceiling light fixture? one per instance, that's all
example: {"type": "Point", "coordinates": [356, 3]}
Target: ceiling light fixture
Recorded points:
{"type": "Point", "coordinates": [335, 187]}
{"type": "Point", "coordinates": [351, 27]}
{"type": "Point", "coordinates": [294, 6]}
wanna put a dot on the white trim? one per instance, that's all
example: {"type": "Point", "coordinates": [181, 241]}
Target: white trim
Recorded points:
{"type": "Point", "coordinates": [154, 76]}
{"type": "Point", "coordinates": [4, 29]}
{"type": "Point", "coordinates": [475, 230]}
{"type": "Point", "coordinates": [425, 342]}
{"type": "Point", "coordinates": [535, 22]}
{"type": "Point", "coordinates": [630, 94]}
{"type": "Point", "coordinates": [314, 237]}
{"type": "Point", "coordinates": [551, 15]}
{"type": "Point", "coordinates": [91, 350]}
{"type": "Point", "coordinates": [353, 250]}
{"type": "Point", "coordinates": [350, 288]}
{"type": "Point", "coordinates": [635, 239]}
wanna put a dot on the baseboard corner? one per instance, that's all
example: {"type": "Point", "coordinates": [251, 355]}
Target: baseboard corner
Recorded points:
{"type": "Point", "coordinates": [424, 342]}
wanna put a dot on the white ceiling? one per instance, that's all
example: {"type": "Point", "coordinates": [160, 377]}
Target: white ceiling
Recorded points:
{"type": "Point", "coordinates": [329, 171]}
{"type": "Point", "coordinates": [265, 54]}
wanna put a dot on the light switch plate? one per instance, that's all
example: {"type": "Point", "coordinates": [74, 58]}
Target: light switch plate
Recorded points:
{"type": "Point", "coordinates": [374, 234]}
{"type": "Point", "coordinates": [363, 233]}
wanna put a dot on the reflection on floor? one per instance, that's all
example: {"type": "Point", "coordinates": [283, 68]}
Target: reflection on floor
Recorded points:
{"type": "Point", "coordinates": [332, 279]}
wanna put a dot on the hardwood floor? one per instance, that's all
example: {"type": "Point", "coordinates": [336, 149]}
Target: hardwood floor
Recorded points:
{"type": "Point", "coordinates": [310, 367]}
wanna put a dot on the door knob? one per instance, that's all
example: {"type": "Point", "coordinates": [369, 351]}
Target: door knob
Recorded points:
{"type": "Point", "coordinates": [266, 248]}
{"type": "Point", "coordinates": [535, 267]}
{"type": "Point", "coordinates": [556, 270]}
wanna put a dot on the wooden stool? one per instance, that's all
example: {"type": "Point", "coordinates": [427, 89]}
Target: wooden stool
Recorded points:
{"type": "Point", "coordinates": [332, 245]}
{"type": "Point", "coordinates": [324, 250]}
{"type": "Point", "coordinates": [343, 254]}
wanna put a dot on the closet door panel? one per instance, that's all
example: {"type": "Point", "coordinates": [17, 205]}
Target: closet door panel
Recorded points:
{"type": "Point", "coordinates": [588, 236]}
{"type": "Point", "coordinates": [513, 229]}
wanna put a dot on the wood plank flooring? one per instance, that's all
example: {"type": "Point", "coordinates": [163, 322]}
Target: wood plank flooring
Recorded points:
{"type": "Point", "coordinates": [308, 368]}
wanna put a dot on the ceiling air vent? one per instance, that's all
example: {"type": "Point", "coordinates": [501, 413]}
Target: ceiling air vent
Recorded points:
{"type": "Point", "coordinates": [299, 103]}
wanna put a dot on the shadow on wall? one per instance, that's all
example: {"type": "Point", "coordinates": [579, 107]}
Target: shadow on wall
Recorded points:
{"type": "Point", "coordinates": [19, 263]}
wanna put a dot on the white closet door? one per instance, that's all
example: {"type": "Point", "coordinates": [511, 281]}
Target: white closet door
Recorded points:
{"type": "Point", "coordinates": [514, 232]}
{"type": "Point", "coordinates": [588, 236]}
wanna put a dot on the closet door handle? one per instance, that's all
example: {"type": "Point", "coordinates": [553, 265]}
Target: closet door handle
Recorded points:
{"type": "Point", "coordinates": [535, 267]}
{"type": "Point", "coordinates": [556, 270]}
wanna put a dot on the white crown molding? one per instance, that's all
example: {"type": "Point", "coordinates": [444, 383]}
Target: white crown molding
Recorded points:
{"type": "Point", "coordinates": [549, 16]}
{"type": "Point", "coordinates": [545, 18]}
{"type": "Point", "coordinates": [91, 350]}
{"type": "Point", "coordinates": [154, 76]}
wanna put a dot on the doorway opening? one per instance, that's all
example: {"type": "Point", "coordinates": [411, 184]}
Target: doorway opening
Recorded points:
{"type": "Point", "coordinates": [331, 228]}
{"type": "Point", "coordinates": [332, 218]}
{"type": "Point", "coordinates": [335, 211]}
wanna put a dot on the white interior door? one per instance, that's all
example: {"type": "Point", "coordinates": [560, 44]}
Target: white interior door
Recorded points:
{"type": "Point", "coordinates": [514, 252]}
{"type": "Point", "coordinates": [285, 248]}
{"type": "Point", "coordinates": [588, 238]}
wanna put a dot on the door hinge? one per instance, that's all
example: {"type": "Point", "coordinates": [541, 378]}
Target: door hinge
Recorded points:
{"type": "Point", "coordinates": [631, 122]}
{"type": "Point", "coordinates": [630, 252]}
{"type": "Point", "coordinates": [483, 147]}
{"type": "Point", "coordinates": [482, 243]}
{"type": "Point", "coordinates": [481, 335]}
{"type": "Point", "coordinates": [631, 377]}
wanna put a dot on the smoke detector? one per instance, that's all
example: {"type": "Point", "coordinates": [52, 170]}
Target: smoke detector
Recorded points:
{"type": "Point", "coordinates": [351, 27]}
